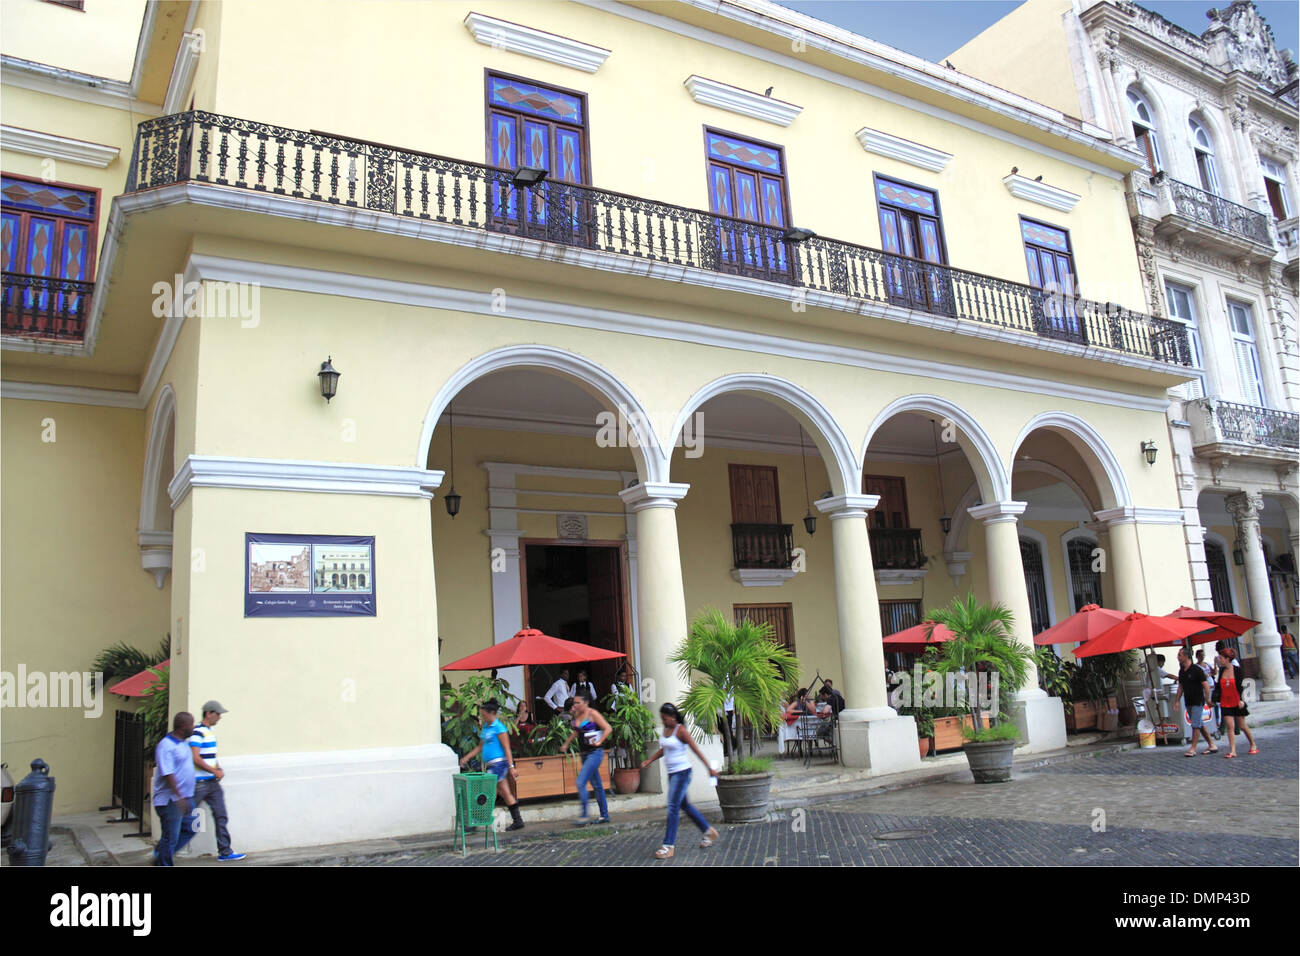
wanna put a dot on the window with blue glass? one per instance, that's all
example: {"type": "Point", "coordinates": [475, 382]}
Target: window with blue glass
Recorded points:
{"type": "Point", "coordinates": [539, 126]}
{"type": "Point", "coordinates": [47, 233]}
{"type": "Point", "coordinates": [1051, 268]}
{"type": "Point", "coordinates": [911, 226]}
{"type": "Point", "coordinates": [747, 183]}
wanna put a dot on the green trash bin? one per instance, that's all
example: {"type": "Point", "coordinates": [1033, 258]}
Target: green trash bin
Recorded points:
{"type": "Point", "coordinates": [476, 798]}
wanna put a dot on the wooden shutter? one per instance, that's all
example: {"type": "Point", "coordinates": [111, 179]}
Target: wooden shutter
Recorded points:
{"type": "Point", "coordinates": [892, 510]}
{"type": "Point", "coordinates": [755, 496]}
{"type": "Point", "coordinates": [780, 616]}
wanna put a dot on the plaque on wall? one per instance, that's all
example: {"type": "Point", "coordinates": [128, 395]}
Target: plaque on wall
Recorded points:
{"type": "Point", "coordinates": [572, 526]}
{"type": "Point", "coordinates": [308, 575]}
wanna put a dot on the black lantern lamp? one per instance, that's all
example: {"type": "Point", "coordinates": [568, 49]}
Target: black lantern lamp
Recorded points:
{"type": "Point", "coordinates": [329, 379]}
{"type": "Point", "coordinates": [945, 522]}
{"type": "Point", "coordinates": [1238, 556]}
{"type": "Point", "coordinates": [451, 499]}
{"type": "Point", "coordinates": [809, 519]}
{"type": "Point", "coordinates": [1149, 452]}
{"type": "Point", "coordinates": [526, 177]}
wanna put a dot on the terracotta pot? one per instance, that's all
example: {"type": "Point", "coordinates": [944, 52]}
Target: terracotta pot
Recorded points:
{"type": "Point", "coordinates": [925, 743]}
{"type": "Point", "coordinates": [627, 780]}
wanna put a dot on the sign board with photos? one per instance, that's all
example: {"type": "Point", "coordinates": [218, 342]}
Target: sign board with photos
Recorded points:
{"type": "Point", "coordinates": [308, 575]}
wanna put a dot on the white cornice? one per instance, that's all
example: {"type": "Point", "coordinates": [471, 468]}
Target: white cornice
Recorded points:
{"type": "Point", "coordinates": [187, 61]}
{"type": "Point", "coordinates": [69, 395]}
{"type": "Point", "coordinates": [276, 474]}
{"type": "Point", "coordinates": [72, 85]}
{"type": "Point", "coordinates": [1131, 515]}
{"type": "Point", "coordinates": [1022, 187]}
{"type": "Point", "coordinates": [895, 147]}
{"type": "Point", "coordinates": [35, 143]}
{"type": "Point", "coordinates": [504, 35]}
{"type": "Point", "coordinates": [899, 577]}
{"type": "Point", "coordinates": [712, 93]}
{"type": "Point", "coordinates": [762, 577]}
{"type": "Point", "coordinates": [846, 506]}
{"type": "Point", "coordinates": [998, 511]}
{"type": "Point", "coordinates": [653, 494]}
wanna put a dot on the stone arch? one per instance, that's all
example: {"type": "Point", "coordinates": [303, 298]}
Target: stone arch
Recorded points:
{"type": "Point", "coordinates": [650, 457]}
{"type": "Point", "coordinates": [822, 428]}
{"type": "Point", "coordinates": [990, 473]}
{"type": "Point", "coordinates": [153, 534]}
{"type": "Point", "coordinates": [1112, 485]}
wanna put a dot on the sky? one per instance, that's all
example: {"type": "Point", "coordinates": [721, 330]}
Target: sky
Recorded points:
{"type": "Point", "coordinates": [934, 28]}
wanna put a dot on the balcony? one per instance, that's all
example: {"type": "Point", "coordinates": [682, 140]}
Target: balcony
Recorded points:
{"type": "Point", "coordinates": [36, 307]}
{"type": "Point", "coordinates": [761, 554]}
{"type": "Point", "coordinates": [1223, 430]}
{"type": "Point", "coordinates": [1203, 219]}
{"type": "Point", "coordinates": [897, 555]}
{"type": "Point", "coordinates": [1288, 237]}
{"type": "Point", "coordinates": [206, 148]}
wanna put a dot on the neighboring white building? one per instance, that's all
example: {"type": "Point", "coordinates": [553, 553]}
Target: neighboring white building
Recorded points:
{"type": "Point", "coordinates": [1214, 219]}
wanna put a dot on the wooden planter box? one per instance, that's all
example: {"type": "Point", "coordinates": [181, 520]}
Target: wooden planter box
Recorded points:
{"type": "Point", "coordinates": [545, 776]}
{"type": "Point", "coordinates": [947, 731]}
{"type": "Point", "coordinates": [1082, 715]}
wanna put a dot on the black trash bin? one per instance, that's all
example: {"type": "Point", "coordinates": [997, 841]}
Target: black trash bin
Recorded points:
{"type": "Point", "coordinates": [30, 818]}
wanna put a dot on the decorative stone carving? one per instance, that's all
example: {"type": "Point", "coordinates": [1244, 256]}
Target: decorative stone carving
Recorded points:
{"type": "Point", "coordinates": [1245, 507]}
{"type": "Point", "coordinates": [1239, 39]}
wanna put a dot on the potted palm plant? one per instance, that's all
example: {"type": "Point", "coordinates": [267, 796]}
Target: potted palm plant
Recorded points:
{"type": "Point", "coordinates": [742, 662]}
{"type": "Point", "coordinates": [631, 727]}
{"type": "Point", "coordinates": [983, 641]}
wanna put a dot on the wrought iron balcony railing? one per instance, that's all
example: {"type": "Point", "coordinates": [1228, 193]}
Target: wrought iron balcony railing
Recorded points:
{"type": "Point", "coordinates": [1230, 422]}
{"type": "Point", "coordinates": [40, 307]}
{"type": "Point", "coordinates": [761, 545]}
{"type": "Point", "coordinates": [1211, 210]}
{"type": "Point", "coordinates": [896, 548]}
{"type": "Point", "coordinates": [209, 148]}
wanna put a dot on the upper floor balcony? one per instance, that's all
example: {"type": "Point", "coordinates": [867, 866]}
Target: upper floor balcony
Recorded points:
{"type": "Point", "coordinates": [604, 227]}
{"type": "Point", "coordinates": [1201, 218]}
{"type": "Point", "coordinates": [1222, 429]}
{"type": "Point", "coordinates": [1288, 237]}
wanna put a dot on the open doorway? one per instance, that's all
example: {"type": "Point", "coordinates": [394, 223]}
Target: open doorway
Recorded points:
{"type": "Point", "coordinates": [575, 591]}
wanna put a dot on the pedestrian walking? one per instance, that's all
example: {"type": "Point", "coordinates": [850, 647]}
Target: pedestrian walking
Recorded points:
{"type": "Point", "coordinates": [1288, 651]}
{"type": "Point", "coordinates": [591, 729]}
{"type": "Point", "coordinates": [494, 745]}
{"type": "Point", "coordinates": [173, 790]}
{"type": "Point", "coordinates": [1193, 688]}
{"type": "Point", "coordinates": [1234, 708]}
{"type": "Point", "coordinates": [208, 776]}
{"type": "Point", "coordinates": [673, 747]}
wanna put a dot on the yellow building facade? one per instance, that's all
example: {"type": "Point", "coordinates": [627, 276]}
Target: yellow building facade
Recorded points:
{"type": "Point", "coordinates": [639, 358]}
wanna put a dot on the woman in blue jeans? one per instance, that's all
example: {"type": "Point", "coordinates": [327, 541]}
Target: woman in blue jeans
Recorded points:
{"type": "Point", "coordinates": [591, 729]}
{"type": "Point", "coordinates": [675, 746]}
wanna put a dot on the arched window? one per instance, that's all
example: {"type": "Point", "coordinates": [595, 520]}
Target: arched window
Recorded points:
{"type": "Point", "coordinates": [1203, 146]}
{"type": "Point", "coordinates": [1144, 129]}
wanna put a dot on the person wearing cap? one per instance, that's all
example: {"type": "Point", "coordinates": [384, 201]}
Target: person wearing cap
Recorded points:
{"type": "Point", "coordinates": [207, 777]}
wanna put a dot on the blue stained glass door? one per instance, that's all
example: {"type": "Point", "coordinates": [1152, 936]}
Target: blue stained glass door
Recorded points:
{"type": "Point", "coordinates": [745, 184]}
{"type": "Point", "coordinates": [910, 229]}
{"type": "Point", "coordinates": [1051, 268]}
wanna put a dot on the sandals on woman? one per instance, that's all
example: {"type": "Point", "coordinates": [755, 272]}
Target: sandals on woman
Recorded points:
{"type": "Point", "coordinates": [1253, 750]}
{"type": "Point", "coordinates": [665, 852]}
{"type": "Point", "coordinates": [709, 838]}
{"type": "Point", "coordinates": [1229, 756]}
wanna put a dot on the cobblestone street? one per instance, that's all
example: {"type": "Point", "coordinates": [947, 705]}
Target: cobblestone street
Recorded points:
{"type": "Point", "coordinates": [1047, 816]}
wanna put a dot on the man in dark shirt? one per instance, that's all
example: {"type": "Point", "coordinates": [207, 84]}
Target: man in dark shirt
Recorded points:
{"type": "Point", "coordinates": [1194, 686]}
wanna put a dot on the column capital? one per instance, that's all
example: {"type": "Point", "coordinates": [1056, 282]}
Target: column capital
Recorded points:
{"type": "Point", "coordinates": [1131, 515]}
{"type": "Point", "coordinates": [998, 511]}
{"type": "Point", "coordinates": [1245, 506]}
{"type": "Point", "coordinates": [846, 506]}
{"type": "Point", "coordinates": [653, 494]}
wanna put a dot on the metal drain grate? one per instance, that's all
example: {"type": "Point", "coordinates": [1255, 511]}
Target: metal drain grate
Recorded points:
{"type": "Point", "coordinates": [901, 834]}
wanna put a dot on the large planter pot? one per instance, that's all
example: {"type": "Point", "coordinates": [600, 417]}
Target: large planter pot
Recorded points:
{"type": "Point", "coordinates": [627, 780]}
{"type": "Point", "coordinates": [744, 799]}
{"type": "Point", "coordinates": [545, 776]}
{"type": "Point", "coordinates": [990, 762]}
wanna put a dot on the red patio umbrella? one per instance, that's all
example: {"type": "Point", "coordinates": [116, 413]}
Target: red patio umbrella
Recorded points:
{"type": "Point", "coordinates": [1083, 625]}
{"type": "Point", "coordinates": [531, 646]}
{"type": "Point", "coordinates": [1226, 625]}
{"type": "Point", "coordinates": [1141, 630]}
{"type": "Point", "coordinates": [914, 640]}
{"type": "Point", "coordinates": [137, 685]}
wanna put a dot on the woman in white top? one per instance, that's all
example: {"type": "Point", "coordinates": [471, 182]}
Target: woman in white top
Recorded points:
{"type": "Point", "coordinates": [673, 747]}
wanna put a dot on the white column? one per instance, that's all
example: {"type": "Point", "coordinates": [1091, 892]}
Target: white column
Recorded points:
{"type": "Point", "coordinates": [1245, 510]}
{"type": "Point", "coordinates": [661, 615]}
{"type": "Point", "coordinates": [1041, 719]}
{"type": "Point", "coordinates": [872, 733]}
{"type": "Point", "coordinates": [1124, 561]}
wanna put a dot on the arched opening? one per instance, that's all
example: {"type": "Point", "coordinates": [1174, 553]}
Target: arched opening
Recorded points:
{"type": "Point", "coordinates": [154, 533]}
{"type": "Point", "coordinates": [1143, 121]}
{"type": "Point", "coordinates": [535, 444]}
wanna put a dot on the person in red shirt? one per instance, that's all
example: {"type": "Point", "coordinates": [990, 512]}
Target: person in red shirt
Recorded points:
{"type": "Point", "coordinates": [1234, 708]}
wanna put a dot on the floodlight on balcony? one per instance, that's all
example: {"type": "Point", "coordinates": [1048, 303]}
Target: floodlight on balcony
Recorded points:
{"type": "Point", "coordinates": [526, 177]}
{"type": "Point", "coordinates": [795, 234]}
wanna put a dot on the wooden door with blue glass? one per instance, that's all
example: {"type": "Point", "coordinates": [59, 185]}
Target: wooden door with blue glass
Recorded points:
{"type": "Point", "coordinates": [747, 192]}
{"type": "Point", "coordinates": [1051, 269]}
{"type": "Point", "coordinates": [540, 128]}
{"type": "Point", "coordinates": [911, 232]}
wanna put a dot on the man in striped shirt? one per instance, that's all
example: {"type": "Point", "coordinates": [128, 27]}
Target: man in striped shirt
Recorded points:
{"type": "Point", "coordinates": [207, 777]}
